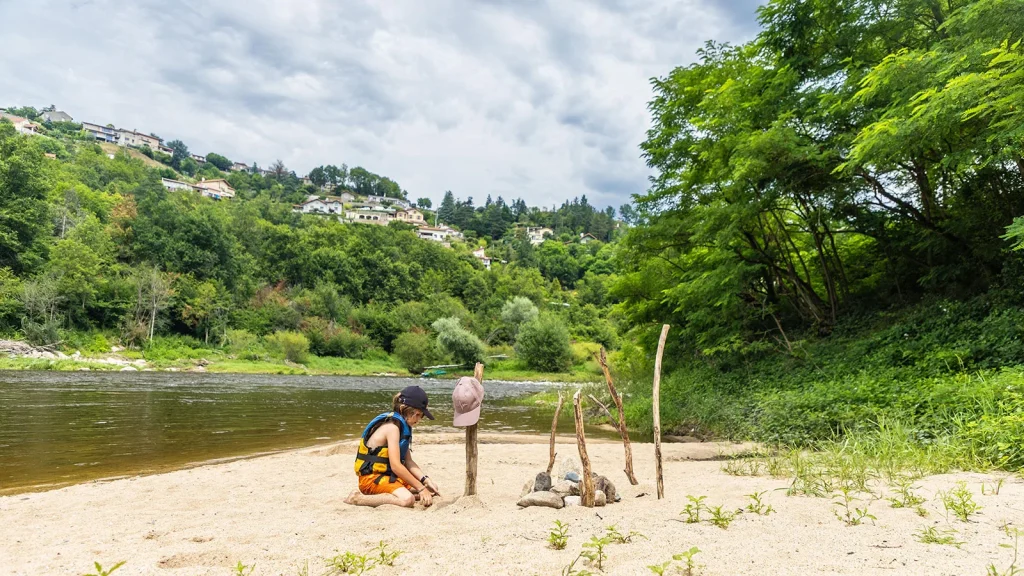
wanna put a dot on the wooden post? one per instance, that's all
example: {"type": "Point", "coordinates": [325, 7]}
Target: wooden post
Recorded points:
{"type": "Point", "coordinates": [656, 399]}
{"type": "Point", "coordinates": [587, 482]}
{"type": "Point", "coordinates": [471, 440]}
{"type": "Point", "coordinates": [554, 426]}
{"type": "Point", "coordinates": [603, 361]}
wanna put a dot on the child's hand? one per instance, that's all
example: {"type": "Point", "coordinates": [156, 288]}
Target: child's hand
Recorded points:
{"type": "Point", "coordinates": [432, 487]}
{"type": "Point", "coordinates": [426, 498]}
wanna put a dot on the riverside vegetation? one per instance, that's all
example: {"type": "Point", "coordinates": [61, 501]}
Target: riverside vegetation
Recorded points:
{"type": "Point", "coordinates": [830, 232]}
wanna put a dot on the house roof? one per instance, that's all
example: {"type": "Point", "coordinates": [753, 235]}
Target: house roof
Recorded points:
{"type": "Point", "coordinates": [311, 200]}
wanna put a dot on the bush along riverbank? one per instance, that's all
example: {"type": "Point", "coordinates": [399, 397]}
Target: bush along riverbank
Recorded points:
{"type": "Point", "coordinates": [185, 354]}
{"type": "Point", "coordinates": [942, 379]}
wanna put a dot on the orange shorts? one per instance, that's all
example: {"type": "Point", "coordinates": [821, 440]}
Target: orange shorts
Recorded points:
{"type": "Point", "coordinates": [380, 484]}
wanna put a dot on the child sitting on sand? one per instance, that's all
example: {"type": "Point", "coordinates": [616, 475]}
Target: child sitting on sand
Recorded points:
{"type": "Point", "coordinates": [387, 473]}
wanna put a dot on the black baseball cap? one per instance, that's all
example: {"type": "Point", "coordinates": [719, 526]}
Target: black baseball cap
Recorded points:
{"type": "Point", "coordinates": [415, 397]}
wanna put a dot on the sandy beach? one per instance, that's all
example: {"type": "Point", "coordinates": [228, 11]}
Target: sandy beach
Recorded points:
{"type": "Point", "coordinates": [284, 513]}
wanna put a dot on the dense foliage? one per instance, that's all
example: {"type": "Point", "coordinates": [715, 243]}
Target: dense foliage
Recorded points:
{"type": "Point", "coordinates": [852, 160]}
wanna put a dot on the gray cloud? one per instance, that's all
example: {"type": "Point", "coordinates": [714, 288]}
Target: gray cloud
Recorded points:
{"type": "Point", "coordinates": [536, 99]}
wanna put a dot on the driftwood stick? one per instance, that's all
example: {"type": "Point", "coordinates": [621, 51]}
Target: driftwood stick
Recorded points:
{"type": "Point", "coordinates": [471, 441]}
{"type": "Point", "coordinates": [554, 426]}
{"type": "Point", "coordinates": [656, 399]}
{"type": "Point", "coordinates": [607, 412]}
{"type": "Point", "coordinates": [587, 484]}
{"type": "Point", "coordinates": [603, 361]}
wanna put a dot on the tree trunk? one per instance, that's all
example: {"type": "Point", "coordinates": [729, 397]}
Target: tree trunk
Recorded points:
{"type": "Point", "coordinates": [603, 361]}
{"type": "Point", "coordinates": [656, 399]}
{"type": "Point", "coordinates": [554, 427]}
{"type": "Point", "coordinates": [587, 482]}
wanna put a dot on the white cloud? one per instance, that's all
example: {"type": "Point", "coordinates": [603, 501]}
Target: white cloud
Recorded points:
{"type": "Point", "coordinates": [539, 100]}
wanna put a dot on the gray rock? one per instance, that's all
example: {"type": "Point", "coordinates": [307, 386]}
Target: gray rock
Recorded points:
{"type": "Point", "coordinates": [549, 499]}
{"type": "Point", "coordinates": [566, 465]}
{"type": "Point", "coordinates": [572, 477]}
{"type": "Point", "coordinates": [542, 483]}
{"type": "Point", "coordinates": [605, 485]}
{"type": "Point", "coordinates": [600, 499]}
{"type": "Point", "coordinates": [572, 500]}
{"type": "Point", "coordinates": [565, 488]}
{"type": "Point", "coordinates": [527, 488]}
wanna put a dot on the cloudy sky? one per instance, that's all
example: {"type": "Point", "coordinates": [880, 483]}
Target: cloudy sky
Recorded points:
{"type": "Point", "coordinates": [518, 98]}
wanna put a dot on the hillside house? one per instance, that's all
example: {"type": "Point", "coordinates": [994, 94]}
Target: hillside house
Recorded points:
{"type": "Point", "coordinates": [376, 216]}
{"type": "Point", "coordinates": [198, 158]}
{"type": "Point", "coordinates": [410, 215]}
{"type": "Point", "coordinates": [480, 255]}
{"type": "Point", "coordinates": [537, 235]}
{"type": "Point", "coordinates": [587, 238]}
{"type": "Point", "coordinates": [56, 116]}
{"type": "Point", "coordinates": [103, 133]}
{"type": "Point", "coordinates": [386, 200]}
{"type": "Point", "coordinates": [166, 150]}
{"type": "Point", "coordinates": [438, 234]}
{"type": "Point", "coordinates": [22, 125]}
{"type": "Point", "coordinates": [239, 167]}
{"type": "Point", "coordinates": [138, 139]}
{"type": "Point", "coordinates": [178, 185]}
{"type": "Point", "coordinates": [218, 189]}
{"type": "Point", "coordinates": [347, 197]}
{"type": "Point", "coordinates": [317, 205]}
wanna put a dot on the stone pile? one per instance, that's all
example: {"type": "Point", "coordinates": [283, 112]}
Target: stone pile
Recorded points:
{"type": "Point", "coordinates": [562, 488]}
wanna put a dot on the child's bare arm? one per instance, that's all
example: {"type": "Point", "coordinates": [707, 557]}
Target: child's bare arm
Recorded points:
{"type": "Point", "coordinates": [395, 458]}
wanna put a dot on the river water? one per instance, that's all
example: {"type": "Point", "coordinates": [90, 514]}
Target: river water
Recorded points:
{"type": "Point", "coordinates": [59, 428]}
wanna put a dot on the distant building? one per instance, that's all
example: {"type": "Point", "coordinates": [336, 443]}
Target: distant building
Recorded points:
{"type": "Point", "coordinates": [320, 206]}
{"type": "Point", "coordinates": [50, 156]}
{"type": "Point", "coordinates": [437, 234]}
{"type": "Point", "coordinates": [104, 133]}
{"type": "Point", "coordinates": [178, 185]}
{"type": "Point", "coordinates": [22, 125]}
{"type": "Point", "coordinates": [57, 116]}
{"type": "Point", "coordinates": [198, 158]}
{"type": "Point", "coordinates": [138, 139]}
{"type": "Point", "coordinates": [165, 149]}
{"type": "Point", "coordinates": [239, 167]}
{"type": "Point", "coordinates": [480, 255]}
{"type": "Point", "coordinates": [371, 199]}
{"type": "Point", "coordinates": [587, 238]}
{"type": "Point", "coordinates": [536, 235]}
{"type": "Point", "coordinates": [370, 216]}
{"type": "Point", "coordinates": [218, 189]}
{"type": "Point", "coordinates": [410, 215]}
{"type": "Point", "coordinates": [347, 197]}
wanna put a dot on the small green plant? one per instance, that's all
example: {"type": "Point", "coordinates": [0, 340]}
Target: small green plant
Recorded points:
{"type": "Point", "coordinates": [660, 569]}
{"type": "Point", "coordinates": [757, 506]}
{"type": "Point", "coordinates": [743, 467]}
{"type": "Point", "coordinates": [244, 570]}
{"type": "Point", "coordinates": [594, 550]}
{"type": "Point", "coordinates": [100, 571]}
{"type": "Point", "coordinates": [721, 518]}
{"type": "Point", "coordinates": [992, 490]}
{"type": "Point", "coordinates": [931, 535]}
{"type": "Point", "coordinates": [687, 557]}
{"type": "Point", "coordinates": [558, 537]}
{"type": "Point", "coordinates": [571, 570]}
{"type": "Point", "coordinates": [385, 557]}
{"type": "Point", "coordinates": [960, 502]}
{"type": "Point", "coordinates": [694, 508]}
{"type": "Point", "coordinates": [1013, 570]}
{"type": "Point", "coordinates": [348, 563]}
{"type": "Point", "coordinates": [847, 511]}
{"type": "Point", "coordinates": [612, 533]}
{"type": "Point", "coordinates": [905, 497]}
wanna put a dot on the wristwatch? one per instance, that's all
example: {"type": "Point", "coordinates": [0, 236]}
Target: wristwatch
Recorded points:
{"type": "Point", "coordinates": [423, 480]}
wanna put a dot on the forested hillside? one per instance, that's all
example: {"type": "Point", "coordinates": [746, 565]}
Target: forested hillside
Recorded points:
{"type": "Point", "coordinates": [827, 229]}
{"type": "Point", "coordinates": [96, 252]}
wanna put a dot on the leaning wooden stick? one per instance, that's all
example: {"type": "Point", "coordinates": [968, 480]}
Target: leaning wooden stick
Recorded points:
{"type": "Point", "coordinates": [587, 483]}
{"type": "Point", "coordinates": [656, 398]}
{"type": "Point", "coordinates": [607, 412]}
{"type": "Point", "coordinates": [471, 438]}
{"type": "Point", "coordinates": [554, 426]}
{"type": "Point", "coordinates": [603, 361]}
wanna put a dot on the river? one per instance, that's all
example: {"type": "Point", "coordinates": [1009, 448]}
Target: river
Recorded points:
{"type": "Point", "coordinates": [60, 428]}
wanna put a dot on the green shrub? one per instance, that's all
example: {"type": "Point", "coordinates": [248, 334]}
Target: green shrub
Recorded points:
{"type": "Point", "coordinates": [377, 323]}
{"type": "Point", "coordinates": [544, 345]}
{"type": "Point", "coordinates": [516, 312]}
{"type": "Point", "coordinates": [175, 347]}
{"type": "Point", "coordinates": [455, 341]}
{"type": "Point", "coordinates": [328, 339]}
{"type": "Point", "coordinates": [243, 344]}
{"type": "Point", "coordinates": [414, 351]}
{"type": "Point", "coordinates": [291, 346]}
